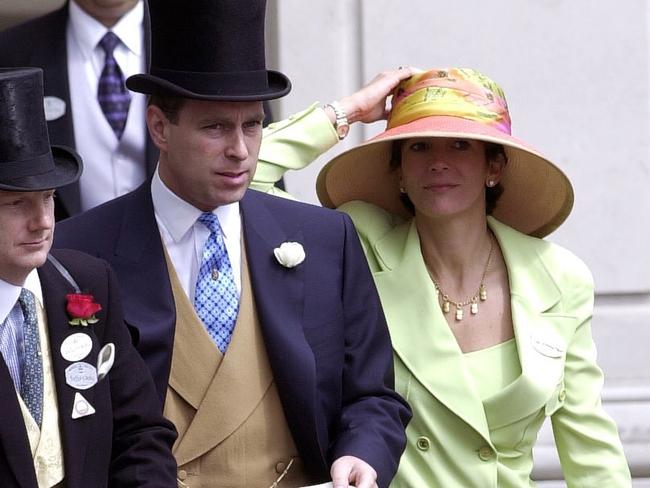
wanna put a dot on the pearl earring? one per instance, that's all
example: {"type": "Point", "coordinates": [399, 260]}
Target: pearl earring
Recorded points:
{"type": "Point", "coordinates": [402, 190]}
{"type": "Point", "coordinates": [490, 183]}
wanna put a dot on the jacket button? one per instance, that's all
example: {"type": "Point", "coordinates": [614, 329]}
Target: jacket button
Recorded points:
{"type": "Point", "coordinates": [562, 395]}
{"type": "Point", "coordinates": [182, 474]}
{"type": "Point", "coordinates": [280, 467]}
{"type": "Point", "coordinates": [423, 443]}
{"type": "Point", "coordinates": [485, 453]}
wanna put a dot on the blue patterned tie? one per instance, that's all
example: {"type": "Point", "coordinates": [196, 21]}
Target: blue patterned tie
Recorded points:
{"type": "Point", "coordinates": [216, 299]}
{"type": "Point", "coordinates": [113, 97]}
{"type": "Point", "coordinates": [31, 388]}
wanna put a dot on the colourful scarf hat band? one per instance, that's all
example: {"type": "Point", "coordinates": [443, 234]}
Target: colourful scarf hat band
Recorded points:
{"type": "Point", "coordinates": [456, 92]}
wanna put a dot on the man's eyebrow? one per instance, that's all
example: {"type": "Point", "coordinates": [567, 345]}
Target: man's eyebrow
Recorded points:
{"type": "Point", "coordinates": [214, 119]}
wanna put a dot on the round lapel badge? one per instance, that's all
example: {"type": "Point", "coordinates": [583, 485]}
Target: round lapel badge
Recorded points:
{"type": "Point", "coordinates": [76, 347]}
{"type": "Point", "coordinates": [54, 108]}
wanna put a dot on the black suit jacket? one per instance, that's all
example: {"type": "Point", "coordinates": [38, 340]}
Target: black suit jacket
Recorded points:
{"type": "Point", "coordinates": [323, 326]}
{"type": "Point", "coordinates": [126, 442]}
{"type": "Point", "coordinates": [41, 43]}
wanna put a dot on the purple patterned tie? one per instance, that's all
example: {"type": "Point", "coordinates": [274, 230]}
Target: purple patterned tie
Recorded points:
{"type": "Point", "coordinates": [113, 97]}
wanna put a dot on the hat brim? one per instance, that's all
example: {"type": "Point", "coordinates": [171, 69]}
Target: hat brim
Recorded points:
{"type": "Point", "coordinates": [537, 195]}
{"type": "Point", "coordinates": [67, 169]}
{"type": "Point", "coordinates": [278, 86]}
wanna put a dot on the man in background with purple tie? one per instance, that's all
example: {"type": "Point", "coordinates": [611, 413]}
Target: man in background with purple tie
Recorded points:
{"type": "Point", "coordinates": [257, 315]}
{"type": "Point", "coordinates": [87, 49]}
{"type": "Point", "coordinates": [78, 405]}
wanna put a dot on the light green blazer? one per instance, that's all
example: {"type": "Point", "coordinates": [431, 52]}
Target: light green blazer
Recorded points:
{"type": "Point", "coordinates": [454, 439]}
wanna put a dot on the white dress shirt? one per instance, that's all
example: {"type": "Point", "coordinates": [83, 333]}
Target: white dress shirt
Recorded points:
{"type": "Point", "coordinates": [185, 238]}
{"type": "Point", "coordinates": [9, 293]}
{"type": "Point", "coordinates": [12, 337]}
{"type": "Point", "coordinates": [111, 167]}
{"type": "Point", "coordinates": [8, 297]}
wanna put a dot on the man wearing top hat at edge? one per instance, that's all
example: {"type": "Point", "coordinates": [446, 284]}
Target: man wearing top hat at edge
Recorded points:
{"type": "Point", "coordinates": [78, 404]}
{"type": "Point", "coordinates": [281, 372]}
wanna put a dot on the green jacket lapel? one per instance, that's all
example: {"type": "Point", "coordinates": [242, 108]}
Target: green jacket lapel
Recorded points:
{"type": "Point", "coordinates": [535, 298]}
{"type": "Point", "coordinates": [420, 334]}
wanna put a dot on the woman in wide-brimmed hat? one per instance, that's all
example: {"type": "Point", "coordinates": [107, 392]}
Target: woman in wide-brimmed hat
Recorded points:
{"type": "Point", "coordinates": [490, 324]}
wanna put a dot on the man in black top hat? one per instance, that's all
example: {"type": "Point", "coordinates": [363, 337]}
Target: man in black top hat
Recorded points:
{"type": "Point", "coordinates": [78, 404]}
{"type": "Point", "coordinates": [70, 45]}
{"type": "Point", "coordinates": [258, 316]}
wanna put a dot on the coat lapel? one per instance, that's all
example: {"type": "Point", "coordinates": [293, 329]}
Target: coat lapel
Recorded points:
{"type": "Point", "coordinates": [139, 262]}
{"type": "Point", "coordinates": [279, 297]}
{"type": "Point", "coordinates": [151, 151]}
{"type": "Point", "coordinates": [539, 328]}
{"type": "Point", "coordinates": [74, 433]}
{"type": "Point", "coordinates": [419, 331]}
{"type": "Point", "coordinates": [13, 435]}
{"type": "Point", "coordinates": [52, 55]}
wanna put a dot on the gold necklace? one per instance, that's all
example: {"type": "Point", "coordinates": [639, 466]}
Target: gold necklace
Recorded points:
{"type": "Point", "coordinates": [481, 293]}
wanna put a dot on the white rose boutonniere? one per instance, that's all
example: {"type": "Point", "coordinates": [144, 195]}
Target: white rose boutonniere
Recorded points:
{"type": "Point", "coordinates": [289, 254]}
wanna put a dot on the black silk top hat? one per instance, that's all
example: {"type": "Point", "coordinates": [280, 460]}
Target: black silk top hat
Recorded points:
{"type": "Point", "coordinates": [209, 50]}
{"type": "Point", "coordinates": [27, 161]}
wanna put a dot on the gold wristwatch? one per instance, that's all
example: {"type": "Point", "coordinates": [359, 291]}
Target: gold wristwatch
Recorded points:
{"type": "Point", "coordinates": [341, 125]}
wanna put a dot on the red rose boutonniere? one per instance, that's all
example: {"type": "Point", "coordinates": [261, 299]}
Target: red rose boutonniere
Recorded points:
{"type": "Point", "coordinates": [82, 309]}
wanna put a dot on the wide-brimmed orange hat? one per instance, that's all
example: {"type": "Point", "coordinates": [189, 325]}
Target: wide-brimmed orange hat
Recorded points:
{"type": "Point", "coordinates": [452, 102]}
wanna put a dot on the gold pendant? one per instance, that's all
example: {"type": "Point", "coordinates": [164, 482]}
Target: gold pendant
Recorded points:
{"type": "Point", "coordinates": [215, 274]}
{"type": "Point", "coordinates": [445, 306]}
{"type": "Point", "coordinates": [473, 308]}
{"type": "Point", "coordinates": [483, 292]}
{"type": "Point", "coordinates": [459, 313]}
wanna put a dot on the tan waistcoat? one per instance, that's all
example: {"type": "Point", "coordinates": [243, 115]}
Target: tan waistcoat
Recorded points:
{"type": "Point", "coordinates": [231, 427]}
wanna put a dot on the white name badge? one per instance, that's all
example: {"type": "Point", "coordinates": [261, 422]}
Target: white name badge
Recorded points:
{"type": "Point", "coordinates": [76, 347]}
{"type": "Point", "coordinates": [81, 407]}
{"type": "Point", "coordinates": [548, 345]}
{"type": "Point", "coordinates": [54, 108]}
{"type": "Point", "coordinates": [81, 375]}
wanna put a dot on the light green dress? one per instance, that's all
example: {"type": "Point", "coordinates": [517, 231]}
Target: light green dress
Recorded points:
{"type": "Point", "coordinates": [493, 368]}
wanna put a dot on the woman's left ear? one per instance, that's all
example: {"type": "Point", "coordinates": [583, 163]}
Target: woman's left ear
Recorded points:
{"type": "Point", "coordinates": [495, 169]}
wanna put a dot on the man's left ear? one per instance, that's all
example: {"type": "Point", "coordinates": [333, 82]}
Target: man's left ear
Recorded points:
{"type": "Point", "coordinates": [157, 123]}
